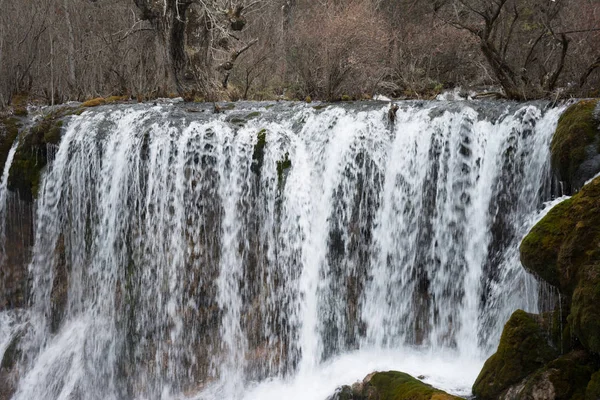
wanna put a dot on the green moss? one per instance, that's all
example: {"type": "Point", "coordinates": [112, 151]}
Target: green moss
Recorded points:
{"type": "Point", "coordinates": [523, 349]}
{"type": "Point", "coordinates": [394, 385]}
{"type": "Point", "coordinates": [259, 151]}
{"type": "Point", "coordinates": [576, 130]}
{"type": "Point", "coordinates": [282, 166]}
{"type": "Point", "coordinates": [593, 388]}
{"type": "Point", "coordinates": [254, 114]}
{"type": "Point", "coordinates": [345, 97]}
{"type": "Point", "coordinates": [320, 107]}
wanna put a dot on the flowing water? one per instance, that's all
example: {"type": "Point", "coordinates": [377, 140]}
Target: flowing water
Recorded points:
{"type": "Point", "coordinates": [277, 251]}
{"type": "Point", "coordinates": [3, 198]}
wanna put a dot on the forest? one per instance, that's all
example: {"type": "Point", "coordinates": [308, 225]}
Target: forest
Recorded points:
{"type": "Point", "coordinates": [55, 51]}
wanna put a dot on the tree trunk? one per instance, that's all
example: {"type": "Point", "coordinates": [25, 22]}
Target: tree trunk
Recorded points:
{"type": "Point", "coordinates": [168, 19]}
{"type": "Point", "coordinates": [70, 45]}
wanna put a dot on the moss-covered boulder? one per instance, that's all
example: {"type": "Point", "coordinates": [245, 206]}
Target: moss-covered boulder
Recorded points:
{"type": "Point", "coordinates": [523, 349]}
{"type": "Point", "coordinates": [391, 385]}
{"type": "Point", "coordinates": [576, 145]}
{"type": "Point", "coordinates": [592, 391]}
{"type": "Point", "coordinates": [564, 250]}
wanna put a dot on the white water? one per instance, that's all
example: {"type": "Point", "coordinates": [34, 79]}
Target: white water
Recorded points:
{"type": "Point", "coordinates": [3, 197]}
{"type": "Point", "coordinates": [194, 273]}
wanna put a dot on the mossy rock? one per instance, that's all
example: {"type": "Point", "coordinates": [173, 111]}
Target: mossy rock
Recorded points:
{"type": "Point", "coordinates": [584, 317]}
{"type": "Point", "coordinates": [116, 99]}
{"type": "Point", "coordinates": [394, 385]}
{"type": "Point", "coordinates": [564, 250]}
{"type": "Point", "coordinates": [254, 114]}
{"type": "Point", "coordinates": [592, 391]}
{"type": "Point", "coordinates": [32, 154]}
{"type": "Point", "coordinates": [259, 151]}
{"type": "Point", "coordinates": [98, 101]}
{"type": "Point", "coordinates": [391, 385]}
{"type": "Point", "coordinates": [541, 247]}
{"type": "Point", "coordinates": [565, 240]}
{"type": "Point", "coordinates": [523, 349]}
{"type": "Point", "coordinates": [9, 130]}
{"type": "Point", "coordinates": [282, 167]}
{"type": "Point", "coordinates": [576, 145]}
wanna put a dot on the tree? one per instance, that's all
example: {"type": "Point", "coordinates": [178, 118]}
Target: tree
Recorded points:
{"type": "Point", "coordinates": [193, 32]}
{"type": "Point", "coordinates": [512, 36]}
{"type": "Point", "coordinates": [525, 42]}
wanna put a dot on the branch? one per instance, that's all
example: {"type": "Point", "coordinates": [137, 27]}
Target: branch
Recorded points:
{"type": "Point", "coordinates": [584, 77]}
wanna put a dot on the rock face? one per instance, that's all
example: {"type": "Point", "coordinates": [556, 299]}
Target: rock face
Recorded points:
{"type": "Point", "coordinates": [391, 385]}
{"type": "Point", "coordinates": [564, 250]}
{"type": "Point", "coordinates": [576, 145]}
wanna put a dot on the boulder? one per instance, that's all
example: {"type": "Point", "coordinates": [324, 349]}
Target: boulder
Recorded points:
{"type": "Point", "coordinates": [390, 385]}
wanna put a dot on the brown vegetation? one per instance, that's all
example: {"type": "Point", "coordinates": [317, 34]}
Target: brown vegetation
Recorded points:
{"type": "Point", "coordinates": [60, 50]}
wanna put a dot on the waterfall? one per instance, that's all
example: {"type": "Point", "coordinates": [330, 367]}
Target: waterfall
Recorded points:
{"type": "Point", "coordinates": [3, 198]}
{"type": "Point", "coordinates": [180, 254]}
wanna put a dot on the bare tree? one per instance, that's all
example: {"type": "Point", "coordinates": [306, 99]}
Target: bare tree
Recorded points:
{"type": "Point", "coordinates": [523, 41]}
{"type": "Point", "coordinates": [191, 31]}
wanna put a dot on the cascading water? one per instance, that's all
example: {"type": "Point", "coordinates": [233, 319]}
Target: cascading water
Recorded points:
{"type": "Point", "coordinates": [3, 198]}
{"type": "Point", "coordinates": [184, 255]}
